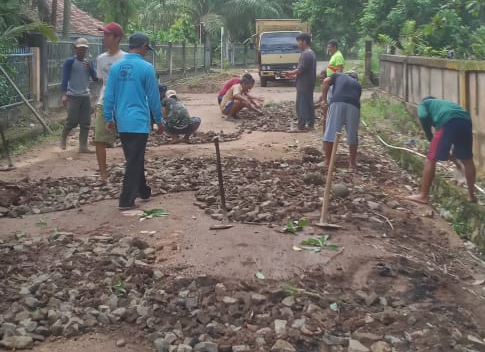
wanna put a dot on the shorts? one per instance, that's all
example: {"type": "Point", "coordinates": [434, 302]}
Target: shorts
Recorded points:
{"type": "Point", "coordinates": [457, 133]}
{"type": "Point", "coordinates": [101, 133]}
{"type": "Point", "coordinates": [194, 125]}
{"type": "Point", "coordinates": [342, 114]}
{"type": "Point", "coordinates": [227, 108]}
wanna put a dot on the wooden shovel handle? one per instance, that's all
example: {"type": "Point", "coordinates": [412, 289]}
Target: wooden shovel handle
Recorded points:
{"type": "Point", "coordinates": [328, 182]}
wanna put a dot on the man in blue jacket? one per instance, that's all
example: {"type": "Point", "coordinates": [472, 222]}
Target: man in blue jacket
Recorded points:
{"type": "Point", "coordinates": [76, 72]}
{"type": "Point", "coordinates": [131, 93]}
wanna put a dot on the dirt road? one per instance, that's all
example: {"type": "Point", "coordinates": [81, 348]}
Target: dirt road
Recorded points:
{"type": "Point", "coordinates": [90, 277]}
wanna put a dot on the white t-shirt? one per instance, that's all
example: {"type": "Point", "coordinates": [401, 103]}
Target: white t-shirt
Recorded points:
{"type": "Point", "coordinates": [103, 65]}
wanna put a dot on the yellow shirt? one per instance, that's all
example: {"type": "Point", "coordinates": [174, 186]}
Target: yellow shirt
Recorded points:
{"type": "Point", "coordinates": [337, 59]}
{"type": "Point", "coordinates": [234, 90]}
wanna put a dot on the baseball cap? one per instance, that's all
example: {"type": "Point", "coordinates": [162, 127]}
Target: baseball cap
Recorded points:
{"type": "Point", "coordinates": [81, 43]}
{"type": "Point", "coordinates": [352, 74]}
{"type": "Point", "coordinates": [112, 28]}
{"type": "Point", "coordinates": [171, 93]}
{"type": "Point", "coordinates": [137, 40]}
{"type": "Point", "coordinates": [162, 88]}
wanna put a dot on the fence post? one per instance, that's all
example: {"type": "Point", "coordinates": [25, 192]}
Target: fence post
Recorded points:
{"type": "Point", "coordinates": [245, 56]}
{"type": "Point", "coordinates": [170, 61]}
{"type": "Point", "coordinates": [44, 67]}
{"type": "Point", "coordinates": [368, 62]}
{"type": "Point", "coordinates": [183, 58]}
{"type": "Point", "coordinates": [195, 58]}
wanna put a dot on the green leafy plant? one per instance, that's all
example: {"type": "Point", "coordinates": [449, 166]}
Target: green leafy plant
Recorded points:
{"type": "Point", "coordinates": [21, 235]}
{"type": "Point", "coordinates": [41, 223]}
{"type": "Point", "coordinates": [290, 289]}
{"type": "Point", "coordinates": [154, 213]}
{"type": "Point", "coordinates": [293, 226]}
{"type": "Point", "coordinates": [119, 288]}
{"type": "Point", "coordinates": [317, 244]}
{"type": "Point", "coordinates": [259, 275]}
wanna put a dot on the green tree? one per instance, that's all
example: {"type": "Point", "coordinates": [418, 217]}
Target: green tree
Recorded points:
{"type": "Point", "coordinates": [332, 19]}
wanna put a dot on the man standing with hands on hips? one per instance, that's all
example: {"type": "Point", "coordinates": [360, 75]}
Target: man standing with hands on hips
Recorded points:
{"type": "Point", "coordinates": [131, 93]}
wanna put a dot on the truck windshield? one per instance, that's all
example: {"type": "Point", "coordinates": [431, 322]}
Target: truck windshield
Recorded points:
{"type": "Point", "coordinates": [279, 41]}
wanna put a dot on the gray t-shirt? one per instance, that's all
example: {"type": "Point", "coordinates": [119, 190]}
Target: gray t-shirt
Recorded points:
{"type": "Point", "coordinates": [305, 81]}
{"type": "Point", "coordinates": [345, 89]}
{"type": "Point", "coordinates": [103, 65]}
{"type": "Point", "coordinates": [78, 84]}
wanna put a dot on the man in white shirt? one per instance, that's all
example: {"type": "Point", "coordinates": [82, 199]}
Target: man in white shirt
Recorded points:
{"type": "Point", "coordinates": [102, 136]}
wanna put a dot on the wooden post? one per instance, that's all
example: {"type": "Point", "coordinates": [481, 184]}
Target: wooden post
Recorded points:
{"type": "Point", "coordinates": [195, 58]}
{"type": "Point", "coordinates": [368, 62]}
{"type": "Point", "coordinates": [184, 59]}
{"type": "Point", "coordinates": [44, 77]}
{"type": "Point", "coordinates": [170, 59]}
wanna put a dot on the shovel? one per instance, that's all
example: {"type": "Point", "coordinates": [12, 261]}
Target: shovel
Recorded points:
{"type": "Point", "coordinates": [328, 186]}
{"type": "Point", "coordinates": [224, 225]}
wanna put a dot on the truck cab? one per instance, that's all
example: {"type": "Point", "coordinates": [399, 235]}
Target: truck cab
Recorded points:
{"type": "Point", "coordinates": [276, 47]}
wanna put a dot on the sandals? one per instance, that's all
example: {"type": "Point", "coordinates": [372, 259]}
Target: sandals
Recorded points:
{"type": "Point", "coordinates": [99, 183]}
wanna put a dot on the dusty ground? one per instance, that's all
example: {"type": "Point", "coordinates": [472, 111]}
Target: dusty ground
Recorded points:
{"type": "Point", "coordinates": [399, 274]}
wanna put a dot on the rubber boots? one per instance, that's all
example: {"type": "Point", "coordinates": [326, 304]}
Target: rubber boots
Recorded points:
{"type": "Point", "coordinates": [83, 141]}
{"type": "Point", "coordinates": [63, 142]}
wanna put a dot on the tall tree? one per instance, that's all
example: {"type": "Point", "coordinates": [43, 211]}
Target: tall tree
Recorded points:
{"type": "Point", "coordinates": [331, 19]}
{"type": "Point", "coordinates": [66, 20]}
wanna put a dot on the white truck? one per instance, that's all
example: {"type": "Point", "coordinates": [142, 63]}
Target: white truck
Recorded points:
{"type": "Point", "coordinates": [276, 47]}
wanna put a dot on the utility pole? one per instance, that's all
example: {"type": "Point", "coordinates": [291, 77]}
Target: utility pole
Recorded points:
{"type": "Point", "coordinates": [66, 25]}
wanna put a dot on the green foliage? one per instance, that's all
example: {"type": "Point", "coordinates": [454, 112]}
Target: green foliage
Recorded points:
{"type": "Point", "coordinates": [319, 243]}
{"type": "Point", "coordinates": [478, 43]}
{"type": "Point", "coordinates": [293, 226]}
{"type": "Point", "coordinates": [182, 31]}
{"type": "Point", "coordinates": [332, 19]}
{"type": "Point", "coordinates": [120, 11]}
{"type": "Point", "coordinates": [154, 213]}
{"type": "Point", "coordinates": [119, 288]}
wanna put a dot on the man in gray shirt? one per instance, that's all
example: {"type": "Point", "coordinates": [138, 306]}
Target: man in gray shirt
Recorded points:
{"type": "Point", "coordinates": [306, 75]}
{"type": "Point", "coordinates": [76, 72]}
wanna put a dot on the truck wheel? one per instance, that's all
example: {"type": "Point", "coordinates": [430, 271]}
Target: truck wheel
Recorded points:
{"type": "Point", "coordinates": [264, 82]}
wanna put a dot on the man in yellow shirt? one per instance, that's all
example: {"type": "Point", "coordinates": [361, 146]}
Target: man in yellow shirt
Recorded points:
{"type": "Point", "coordinates": [336, 63]}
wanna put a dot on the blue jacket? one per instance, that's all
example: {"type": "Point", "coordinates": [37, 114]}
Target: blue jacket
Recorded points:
{"type": "Point", "coordinates": [67, 69]}
{"type": "Point", "coordinates": [131, 92]}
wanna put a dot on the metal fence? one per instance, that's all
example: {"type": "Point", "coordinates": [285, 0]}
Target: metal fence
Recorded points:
{"type": "Point", "coordinates": [166, 58]}
{"type": "Point", "coordinates": [19, 66]}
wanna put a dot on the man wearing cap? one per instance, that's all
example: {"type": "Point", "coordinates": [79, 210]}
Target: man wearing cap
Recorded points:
{"type": "Point", "coordinates": [113, 33]}
{"type": "Point", "coordinates": [76, 72]}
{"type": "Point", "coordinates": [131, 93]}
{"type": "Point", "coordinates": [344, 110]}
{"type": "Point", "coordinates": [177, 119]}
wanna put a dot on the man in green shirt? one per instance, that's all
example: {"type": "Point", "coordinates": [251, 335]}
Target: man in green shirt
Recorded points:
{"type": "Point", "coordinates": [453, 128]}
{"type": "Point", "coordinates": [336, 63]}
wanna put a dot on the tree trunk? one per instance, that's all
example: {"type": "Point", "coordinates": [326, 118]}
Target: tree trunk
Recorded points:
{"type": "Point", "coordinates": [54, 14]}
{"type": "Point", "coordinates": [66, 25]}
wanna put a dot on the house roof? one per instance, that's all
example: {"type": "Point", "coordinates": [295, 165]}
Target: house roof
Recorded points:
{"type": "Point", "coordinates": [81, 21]}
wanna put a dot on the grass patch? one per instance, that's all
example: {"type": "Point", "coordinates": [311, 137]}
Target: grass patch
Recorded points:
{"type": "Point", "coordinates": [21, 140]}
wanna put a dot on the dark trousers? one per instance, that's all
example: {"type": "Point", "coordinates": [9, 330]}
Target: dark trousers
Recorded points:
{"type": "Point", "coordinates": [305, 110]}
{"type": "Point", "coordinates": [78, 112]}
{"type": "Point", "coordinates": [134, 182]}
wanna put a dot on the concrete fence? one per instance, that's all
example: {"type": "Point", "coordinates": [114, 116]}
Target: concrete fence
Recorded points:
{"type": "Point", "coordinates": [410, 78]}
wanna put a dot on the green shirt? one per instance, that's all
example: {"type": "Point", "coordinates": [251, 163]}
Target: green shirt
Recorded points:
{"type": "Point", "coordinates": [436, 113]}
{"type": "Point", "coordinates": [337, 59]}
